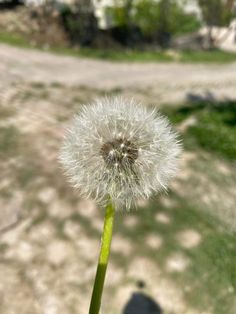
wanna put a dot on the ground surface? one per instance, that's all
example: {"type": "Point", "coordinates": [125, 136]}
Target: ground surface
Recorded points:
{"type": "Point", "coordinates": [169, 82]}
{"type": "Point", "coordinates": [176, 253]}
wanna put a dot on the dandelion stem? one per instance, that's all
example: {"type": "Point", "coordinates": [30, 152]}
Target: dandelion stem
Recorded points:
{"type": "Point", "coordinates": [103, 259]}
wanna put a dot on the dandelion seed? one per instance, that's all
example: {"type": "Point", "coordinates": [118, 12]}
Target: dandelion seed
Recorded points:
{"type": "Point", "coordinates": [113, 136]}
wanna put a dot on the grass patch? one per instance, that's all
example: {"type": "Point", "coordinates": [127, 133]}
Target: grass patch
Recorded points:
{"type": "Point", "coordinates": [128, 55]}
{"type": "Point", "coordinates": [14, 39]}
{"type": "Point", "coordinates": [214, 129]}
{"type": "Point", "coordinates": [9, 141]}
{"type": "Point", "coordinates": [212, 56]}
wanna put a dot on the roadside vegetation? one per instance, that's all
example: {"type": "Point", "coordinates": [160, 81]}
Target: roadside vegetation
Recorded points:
{"type": "Point", "coordinates": [212, 127]}
{"type": "Point", "coordinates": [143, 30]}
{"type": "Point", "coordinates": [127, 55]}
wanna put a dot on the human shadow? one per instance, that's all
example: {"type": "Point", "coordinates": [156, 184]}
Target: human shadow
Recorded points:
{"type": "Point", "coordinates": [200, 97]}
{"type": "Point", "coordinates": [196, 101]}
{"type": "Point", "coordinates": [208, 102]}
{"type": "Point", "coordinates": [140, 303]}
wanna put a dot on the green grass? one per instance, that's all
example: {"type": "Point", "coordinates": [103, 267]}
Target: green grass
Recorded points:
{"type": "Point", "coordinates": [214, 129]}
{"type": "Point", "coordinates": [13, 39]}
{"type": "Point", "coordinates": [214, 56]}
{"type": "Point", "coordinates": [8, 142]}
{"type": "Point", "coordinates": [128, 55]}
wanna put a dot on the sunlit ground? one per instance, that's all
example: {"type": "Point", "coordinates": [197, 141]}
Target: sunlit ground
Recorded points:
{"type": "Point", "coordinates": [178, 249]}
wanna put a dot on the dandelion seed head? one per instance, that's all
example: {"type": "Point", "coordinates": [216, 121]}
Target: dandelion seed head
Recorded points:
{"type": "Point", "coordinates": [119, 148]}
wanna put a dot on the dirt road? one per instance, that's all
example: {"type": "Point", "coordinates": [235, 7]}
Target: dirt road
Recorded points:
{"type": "Point", "coordinates": [170, 81]}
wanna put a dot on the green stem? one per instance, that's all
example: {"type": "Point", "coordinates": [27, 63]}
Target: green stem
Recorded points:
{"type": "Point", "coordinates": [103, 260]}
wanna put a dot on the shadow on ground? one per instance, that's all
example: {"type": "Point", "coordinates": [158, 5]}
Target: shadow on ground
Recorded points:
{"type": "Point", "coordinates": [140, 303]}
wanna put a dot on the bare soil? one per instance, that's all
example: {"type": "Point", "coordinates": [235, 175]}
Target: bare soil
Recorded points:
{"type": "Point", "coordinates": [171, 82]}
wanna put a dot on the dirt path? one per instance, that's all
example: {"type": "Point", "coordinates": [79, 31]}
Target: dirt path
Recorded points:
{"type": "Point", "coordinates": [171, 81]}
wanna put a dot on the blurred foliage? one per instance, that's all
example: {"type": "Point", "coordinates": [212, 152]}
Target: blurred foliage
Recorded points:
{"type": "Point", "coordinates": [10, 4]}
{"type": "Point", "coordinates": [80, 22]}
{"type": "Point", "coordinates": [129, 23]}
{"type": "Point", "coordinates": [216, 12]}
{"type": "Point", "coordinates": [129, 55]}
{"type": "Point", "coordinates": [157, 21]}
{"type": "Point", "coordinates": [166, 16]}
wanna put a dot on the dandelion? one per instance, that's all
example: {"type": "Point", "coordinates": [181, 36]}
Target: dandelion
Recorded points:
{"type": "Point", "coordinates": [117, 152]}
{"type": "Point", "coordinates": [118, 148]}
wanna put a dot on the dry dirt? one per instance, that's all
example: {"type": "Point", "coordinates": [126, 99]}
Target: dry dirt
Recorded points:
{"type": "Point", "coordinates": [169, 82]}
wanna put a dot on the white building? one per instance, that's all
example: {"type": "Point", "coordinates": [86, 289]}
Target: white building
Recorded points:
{"type": "Point", "coordinates": [225, 37]}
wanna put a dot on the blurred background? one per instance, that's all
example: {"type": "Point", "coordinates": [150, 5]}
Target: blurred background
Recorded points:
{"type": "Point", "coordinates": [174, 254]}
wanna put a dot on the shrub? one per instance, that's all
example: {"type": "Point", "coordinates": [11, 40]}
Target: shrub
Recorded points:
{"type": "Point", "coordinates": [157, 21]}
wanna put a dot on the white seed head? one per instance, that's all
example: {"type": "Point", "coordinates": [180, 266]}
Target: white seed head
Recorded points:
{"type": "Point", "coordinates": [119, 148]}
